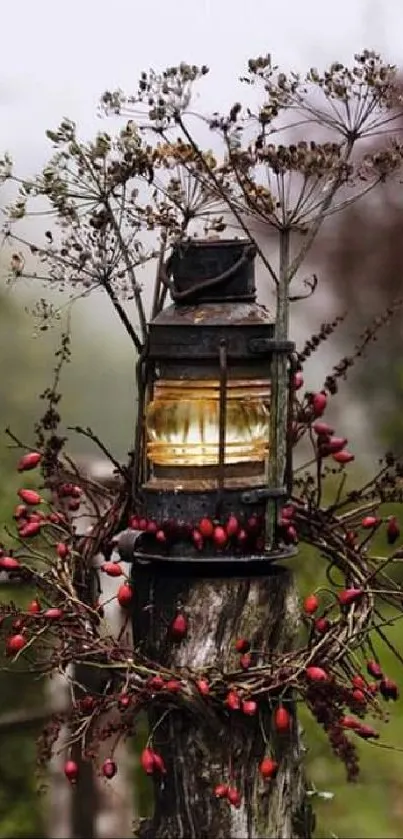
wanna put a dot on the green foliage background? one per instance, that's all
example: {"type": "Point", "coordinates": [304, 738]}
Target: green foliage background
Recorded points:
{"type": "Point", "coordinates": [99, 391]}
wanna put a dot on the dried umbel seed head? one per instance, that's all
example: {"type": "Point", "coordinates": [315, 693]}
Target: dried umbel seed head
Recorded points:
{"type": "Point", "coordinates": [109, 768]}
{"type": "Point", "coordinates": [29, 461]}
{"type": "Point", "coordinates": [179, 627]}
{"type": "Point", "coordinates": [268, 768]}
{"type": "Point", "coordinates": [311, 604]}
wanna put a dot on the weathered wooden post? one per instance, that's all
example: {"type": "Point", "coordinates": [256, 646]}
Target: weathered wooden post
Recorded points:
{"type": "Point", "coordinates": [212, 546]}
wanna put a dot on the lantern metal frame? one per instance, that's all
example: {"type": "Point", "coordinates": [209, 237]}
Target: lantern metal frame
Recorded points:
{"type": "Point", "coordinates": [182, 337]}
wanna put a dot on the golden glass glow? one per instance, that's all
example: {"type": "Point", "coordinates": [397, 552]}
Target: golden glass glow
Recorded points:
{"type": "Point", "coordinates": [183, 422]}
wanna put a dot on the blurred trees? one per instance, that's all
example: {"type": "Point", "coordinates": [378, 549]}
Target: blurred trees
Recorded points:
{"type": "Point", "coordinates": [361, 258]}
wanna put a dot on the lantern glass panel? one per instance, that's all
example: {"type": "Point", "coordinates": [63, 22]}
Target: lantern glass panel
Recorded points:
{"type": "Point", "coordinates": [183, 422]}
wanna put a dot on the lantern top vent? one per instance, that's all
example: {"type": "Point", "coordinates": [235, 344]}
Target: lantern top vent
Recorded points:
{"type": "Point", "coordinates": [213, 270]}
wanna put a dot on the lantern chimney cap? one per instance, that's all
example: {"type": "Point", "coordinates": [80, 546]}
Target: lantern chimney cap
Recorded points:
{"type": "Point", "coordinates": [213, 270]}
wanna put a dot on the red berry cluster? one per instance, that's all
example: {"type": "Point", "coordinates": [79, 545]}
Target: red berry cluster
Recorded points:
{"type": "Point", "coordinates": [238, 534]}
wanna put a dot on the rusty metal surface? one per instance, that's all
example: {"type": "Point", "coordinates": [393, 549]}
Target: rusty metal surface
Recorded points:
{"type": "Point", "coordinates": [215, 314]}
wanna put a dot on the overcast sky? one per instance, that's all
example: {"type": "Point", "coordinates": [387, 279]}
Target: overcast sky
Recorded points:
{"type": "Point", "coordinates": [57, 58]}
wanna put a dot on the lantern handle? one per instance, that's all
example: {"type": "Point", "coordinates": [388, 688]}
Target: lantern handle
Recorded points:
{"type": "Point", "coordinates": [248, 254]}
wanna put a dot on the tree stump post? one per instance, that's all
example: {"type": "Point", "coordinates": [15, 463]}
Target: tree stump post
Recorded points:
{"type": "Point", "coordinates": [200, 750]}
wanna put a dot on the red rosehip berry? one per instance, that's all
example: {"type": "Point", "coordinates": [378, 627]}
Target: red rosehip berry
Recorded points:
{"type": "Point", "coordinates": [9, 563]}
{"type": "Point", "coordinates": [34, 607]}
{"type": "Point", "coordinates": [206, 528]}
{"type": "Point", "coordinates": [109, 768]}
{"type": "Point", "coordinates": [112, 569]}
{"type": "Point", "coordinates": [125, 595]}
{"type": "Point", "coordinates": [319, 403]}
{"type": "Point", "coordinates": [245, 661]}
{"type": "Point", "coordinates": [311, 604]}
{"type": "Point", "coordinates": [316, 674]}
{"type": "Point", "coordinates": [282, 719]}
{"type": "Point", "coordinates": [349, 596]}
{"type": "Point", "coordinates": [220, 791]}
{"type": "Point", "coordinates": [268, 768]}
{"type": "Point", "coordinates": [368, 522]}
{"type": "Point", "coordinates": [234, 797]}
{"type": "Point", "coordinates": [322, 625]}
{"type": "Point", "coordinates": [392, 530]}
{"type": "Point", "coordinates": [29, 461]}
{"type": "Point", "coordinates": [30, 497]}
{"type": "Point", "coordinates": [147, 761]}
{"type": "Point", "coordinates": [71, 771]}
{"type": "Point", "coordinates": [179, 627]}
{"type": "Point", "coordinates": [249, 707]}
{"type": "Point", "coordinates": [233, 701]}
{"type": "Point", "coordinates": [343, 457]}
{"type": "Point", "coordinates": [374, 669]}
{"type": "Point", "coordinates": [203, 687]}
{"type": "Point", "coordinates": [232, 526]}
{"type": "Point", "coordinates": [242, 645]}
{"type": "Point", "coordinates": [220, 537]}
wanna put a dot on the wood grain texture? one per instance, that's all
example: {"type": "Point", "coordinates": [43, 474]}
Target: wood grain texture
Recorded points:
{"type": "Point", "coordinates": [199, 749]}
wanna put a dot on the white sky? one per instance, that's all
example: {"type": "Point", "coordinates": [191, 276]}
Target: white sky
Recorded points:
{"type": "Point", "coordinates": [57, 58]}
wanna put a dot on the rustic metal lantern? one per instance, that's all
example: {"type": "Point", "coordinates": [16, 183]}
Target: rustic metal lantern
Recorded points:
{"type": "Point", "coordinates": [206, 445]}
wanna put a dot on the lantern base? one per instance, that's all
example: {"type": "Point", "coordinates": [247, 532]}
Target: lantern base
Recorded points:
{"type": "Point", "coordinates": [230, 565]}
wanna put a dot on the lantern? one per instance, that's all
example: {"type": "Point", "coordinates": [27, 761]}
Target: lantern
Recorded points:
{"type": "Point", "coordinates": [206, 432]}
